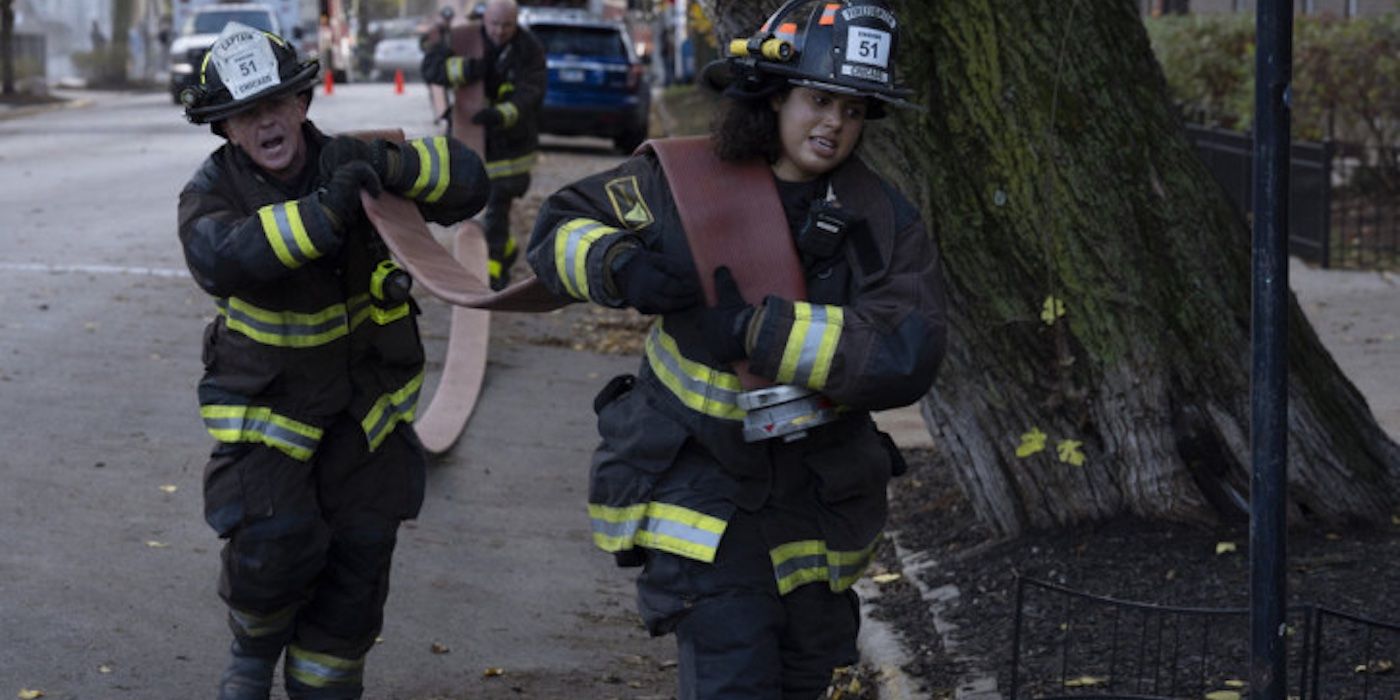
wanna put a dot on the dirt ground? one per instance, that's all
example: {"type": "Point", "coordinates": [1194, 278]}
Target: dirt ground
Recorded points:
{"type": "Point", "coordinates": [1074, 646]}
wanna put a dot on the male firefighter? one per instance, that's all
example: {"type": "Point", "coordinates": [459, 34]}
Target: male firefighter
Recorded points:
{"type": "Point", "coordinates": [753, 510]}
{"type": "Point", "coordinates": [312, 365]}
{"type": "Point", "coordinates": [513, 71]}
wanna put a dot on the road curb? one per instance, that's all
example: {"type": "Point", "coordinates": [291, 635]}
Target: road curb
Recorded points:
{"type": "Point", "coordinates": [18, 112]}
{"type": "Point", "coordinates": [882, 651]}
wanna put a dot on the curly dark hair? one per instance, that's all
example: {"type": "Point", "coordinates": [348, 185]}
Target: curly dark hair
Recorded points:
{"type": "Point", "coordinates": [747, 128]}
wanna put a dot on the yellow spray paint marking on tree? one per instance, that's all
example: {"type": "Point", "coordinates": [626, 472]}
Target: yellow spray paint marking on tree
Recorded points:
{"type": "Point", "coordinates": [1224, 547]}
{"type": "Point", "coordinates": [1031, 443]}
{"type": "Point", "coordinates": [1069, 452]}
{"type": "Point", "coordinates": [1085, 682]}
{"type": "Point", "coordinates": [1052, 310]}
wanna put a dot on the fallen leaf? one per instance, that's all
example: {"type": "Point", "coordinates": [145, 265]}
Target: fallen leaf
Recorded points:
{"type": "Point", "coordinates": [1332, 536]}
{"type": "Point", "coordinates": [27, 694]}
{"type": "Point", "coordinates": [1234, 683]}
{"type": "Point", "coordinates": [1224, 547]}
{"type": "Point", "coordinates": [169, 488]}
{"type": "Point", "coordinates": [1051, 310]}
{"type": "Point", "coordinates": [1222, 695]}
{"type": "Point", "coordinates": [1069, 452]}
{"type": "Point", "coordinates": [104, 668]}
{"type": "Point", "coordinates": [493, 671]}
{"type": "Point", "coordinates": [1085, 682]}
{"type": "Point", "coordinates": [1395, 520]}
{"type": "Point", "coordinates": [885, 578]}
{"type": "Point", "coordinates": [1031, 443]}
{"type": "Point", "coordinates": [153, 544]}
{"type": "Point", "coordinates": [439, 648]}
{"type": "Point", "coordinates": [1383, 666]}
{"type": "Point", "coordinates": [1171, 574]}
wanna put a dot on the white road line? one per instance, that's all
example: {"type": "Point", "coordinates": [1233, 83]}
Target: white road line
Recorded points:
{"type": "Point", "coordinates": [95, 269]}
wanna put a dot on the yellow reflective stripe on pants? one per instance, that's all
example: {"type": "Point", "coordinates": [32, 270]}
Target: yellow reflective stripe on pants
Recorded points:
{"type": "Point", "coordinates": [286, 234]}
{"type": "Point", "coordinates": [260, 424]}
{"type": "Point", "coordinates": [700, 387]}
{"type": "Point", "coordinates": [251, 624]}
{"type": "Point", "coordinates": [391, 409]}
{"type": "Point", "coordinates": [433, 168]}
{"type": "Point", "coordinates": [571, 245]}
{"type": "Point", "coordinates": [660, 526]}
{"type": "Point", "coordinates": [323, 670]}
{"type": "Point", "coordinates": [497, 169]}
{"type": "Point", "coordinates": [284, 329]}
{"type": "Point", "coordinates": [811, 344]}
{"type": "Point", "coordinates": [809, 561]}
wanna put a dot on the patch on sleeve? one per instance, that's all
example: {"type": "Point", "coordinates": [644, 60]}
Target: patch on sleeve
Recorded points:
{"type": "Point", "coordinates": [628, 204]}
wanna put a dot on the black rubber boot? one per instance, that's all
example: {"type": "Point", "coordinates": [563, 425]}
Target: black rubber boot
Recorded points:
{"type": "Point", "coordinates": [247, 677]}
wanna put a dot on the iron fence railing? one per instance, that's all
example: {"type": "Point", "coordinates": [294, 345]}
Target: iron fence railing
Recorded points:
{"type": "Point", "coordinates": [1071, 644]}
{"type": "Point", "coordinates": [1344, 199]}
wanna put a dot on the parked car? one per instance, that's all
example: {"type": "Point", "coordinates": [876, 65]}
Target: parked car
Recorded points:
{"type": "Point", "coordinates": [598, 86]}
{"type": "Point", "coordinates": [398, 47]}
{"type": "Point", "coordinates": [200, 31]}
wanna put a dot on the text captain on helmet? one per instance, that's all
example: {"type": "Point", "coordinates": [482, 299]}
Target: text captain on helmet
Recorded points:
{"type": "Point", "coordinates": [312, 365]}
{"type": "Point", "coordinates": [754, 511]}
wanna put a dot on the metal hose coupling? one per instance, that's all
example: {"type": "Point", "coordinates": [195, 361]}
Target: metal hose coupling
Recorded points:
{"type": "Point", "coordinates": [784, 411]}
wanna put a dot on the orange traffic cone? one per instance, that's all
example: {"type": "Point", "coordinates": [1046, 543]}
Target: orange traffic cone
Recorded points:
{"type": "Point", "coordinates": [330, 83]}
{"type": "Point", "coordinates": [398, 82]}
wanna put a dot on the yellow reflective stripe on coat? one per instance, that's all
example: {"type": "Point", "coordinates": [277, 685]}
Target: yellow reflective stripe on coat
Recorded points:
{"type": "Point", "coordinates": [286, 233]}
{"type": "Point", "coordinates": [700, 387]}
{"type": "Point", "coordinates": [660, 526]}
{"type": "Point", "coordinates": [456, 73]}
{"type": "Point", "coordinates": [510, 114]}
{"type": "Point", "coordinates": [284, 329]}
{"type": "Point", "coordinates": [260, 424]}
{"type": "Point", "coordinates": [809, 561]}
{"type": "Point", "coordinates": [811, 344]}
{"type": "Point", "coordinates": [363, 308]}
{"type": "Point", "coordinates": [497, 169]}
{"type": "Point", "coordinates": [323, 670]}
{"type": "Point", "coordinates": [571, 244]}
{"type": "Point", "coordinates": [433, 168]}
{"type": "Point", "coordinates": [391, 409]}
{"type": "Point", "coordinates": [251, 624]}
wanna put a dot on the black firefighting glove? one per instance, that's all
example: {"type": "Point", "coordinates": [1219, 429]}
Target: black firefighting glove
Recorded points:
{"type": "Point", "coordinates": [340, 197]}
{"type": "Point", "coordinates": [433, 67]}
{"type": "Point", "coordinates": [653, 283]}
{"type": "Point", "coordinates": [488, 117]}
{"type": "Point", "coordinates": [395, 165]}
{"type": "Point", "coordinates": [725, 326]}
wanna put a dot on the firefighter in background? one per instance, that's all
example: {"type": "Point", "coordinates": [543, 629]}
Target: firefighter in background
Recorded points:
{"type": "Point", "coordinates": [312, 365]}
{"type": "Point", "coordinates": [513, 68]}
{"type": "Point", "coordinates": [750, 546]}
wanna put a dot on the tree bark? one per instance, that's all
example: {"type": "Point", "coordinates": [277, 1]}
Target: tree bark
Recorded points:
{"type": "Point", "coordinates": [1098, 278]}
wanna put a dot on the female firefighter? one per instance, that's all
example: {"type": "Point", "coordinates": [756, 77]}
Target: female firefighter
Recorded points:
{"type": "Point", "coordinates": [752, 512]}
{"type": "Point", "coordinates": [312, 364]}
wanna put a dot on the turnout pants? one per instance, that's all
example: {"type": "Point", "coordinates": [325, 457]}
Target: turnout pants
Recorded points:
{"type": "Point", "coordinates": [738, 638]}
{"type": "Point", "coordinates": [501, 247]}
{"type": "Point", "coordinates": [307, 557]}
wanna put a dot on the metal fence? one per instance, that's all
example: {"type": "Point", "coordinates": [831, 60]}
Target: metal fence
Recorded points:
{"type": "Point", "coordinates": [1344, 199]}
{"type": "Point", "coordinates": [1070, 644]}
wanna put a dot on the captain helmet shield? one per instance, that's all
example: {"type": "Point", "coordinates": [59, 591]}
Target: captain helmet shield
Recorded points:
{"type": "Point", "coordinates": [244, 59]}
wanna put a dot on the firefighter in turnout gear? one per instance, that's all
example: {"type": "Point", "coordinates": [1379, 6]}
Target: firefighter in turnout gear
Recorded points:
{"type": "Point", "coordinates": [749, 546]}
{"type": "Point", "coordinates": [313, 363]}
{"type": "Point", "coordinates": [513, 70]}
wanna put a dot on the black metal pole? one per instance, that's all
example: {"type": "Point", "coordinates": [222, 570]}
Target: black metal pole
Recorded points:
{"type": "Point", "coordinates": [1269, 378]}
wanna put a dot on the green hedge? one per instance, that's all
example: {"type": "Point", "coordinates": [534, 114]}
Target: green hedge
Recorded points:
{"type": "Point", "coordinates": [1346, 73]}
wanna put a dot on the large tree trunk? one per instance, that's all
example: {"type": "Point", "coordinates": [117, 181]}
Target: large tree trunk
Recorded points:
{"type": "Point", "coordinates": [1055, 172]}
